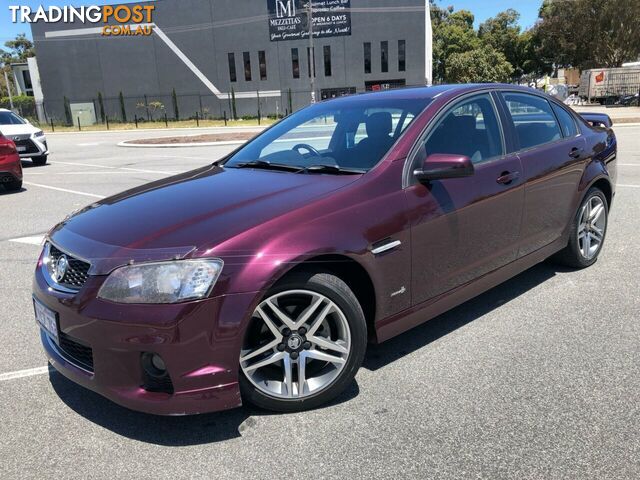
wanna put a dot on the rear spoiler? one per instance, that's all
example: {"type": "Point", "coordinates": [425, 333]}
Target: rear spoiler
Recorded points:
{"type": "Point", "coordinates": [597, 119]}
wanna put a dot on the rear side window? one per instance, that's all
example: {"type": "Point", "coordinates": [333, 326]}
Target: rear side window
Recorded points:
{"type": "Point", "coordinates": [533, 119]}
{"type": "Point", "coordinates": [567, 123]}
{"type": "Point", "coordinates": [470, 128]}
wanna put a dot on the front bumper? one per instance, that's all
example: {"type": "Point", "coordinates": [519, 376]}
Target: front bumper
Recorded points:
{"type": "Point", "coordinates": [199, 342]}
{"type": "Point", "coordinates": [32, 147]}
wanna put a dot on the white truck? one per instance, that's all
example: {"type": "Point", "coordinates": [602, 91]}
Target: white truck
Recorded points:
{"type": "Point", "coordinates": [606, 85]}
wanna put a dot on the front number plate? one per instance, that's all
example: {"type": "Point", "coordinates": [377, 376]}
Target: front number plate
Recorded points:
{"type": "Point", "coordinates": [21, 149]}
{"type": "Point", "coordinates": [47, 319]}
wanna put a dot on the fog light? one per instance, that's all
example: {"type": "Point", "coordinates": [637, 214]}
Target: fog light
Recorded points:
{"type": "Point", "coordinates": [153, 364]}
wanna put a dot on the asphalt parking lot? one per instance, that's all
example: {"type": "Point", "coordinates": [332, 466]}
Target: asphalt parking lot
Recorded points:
{"type": "Point", "coordinates": [537, 378]}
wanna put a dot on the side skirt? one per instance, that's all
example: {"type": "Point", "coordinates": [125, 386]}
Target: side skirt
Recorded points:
{"type": "Point", "coordinates": [414, 316]}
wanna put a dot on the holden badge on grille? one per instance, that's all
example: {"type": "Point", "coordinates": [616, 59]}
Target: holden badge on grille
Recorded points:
{"type": "Point", "coordinates": [60, 268]}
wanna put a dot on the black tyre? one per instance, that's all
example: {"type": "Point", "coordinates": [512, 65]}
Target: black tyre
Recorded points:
{"type": "Point", "coordinates": [13, 186]}
{"type": "Point", "coordinates": [304, 345]}
{"type": "Point", "coordinates": [41, 160]}
{"type": "Point", "coordinates": [588, 231]}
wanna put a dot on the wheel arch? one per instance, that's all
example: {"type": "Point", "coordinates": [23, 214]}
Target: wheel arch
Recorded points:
{"type": "Point", "coordinates": [349, 270]}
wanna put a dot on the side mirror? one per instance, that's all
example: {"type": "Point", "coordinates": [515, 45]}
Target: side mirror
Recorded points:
{"type": "Point", "coordinates": [444, 165]}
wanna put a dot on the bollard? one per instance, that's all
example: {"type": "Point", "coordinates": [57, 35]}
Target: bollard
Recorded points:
{"type": "Point", "coordinates": [79, 129]}
{"type": "Point", "coordinates": [197, 120]}
{"type": "Point", "coordinates": [135, 119]}
{"type": "Point", "coordinates": [225, 118]}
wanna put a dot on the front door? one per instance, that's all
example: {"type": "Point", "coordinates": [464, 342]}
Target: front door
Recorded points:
{"type": "Point", "coordinates": [463, 228]}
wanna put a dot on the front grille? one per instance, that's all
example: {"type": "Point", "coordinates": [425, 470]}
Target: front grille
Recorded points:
{"type": "Point", "coordinates": [77, 272]}
{"type": "Point", "coordinates": [75, 352]}
{"type": "Point", "coordinates": [29, 146]}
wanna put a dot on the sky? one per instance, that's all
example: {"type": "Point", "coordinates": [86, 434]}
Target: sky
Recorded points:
{"type": "Point", "coordinates": [482, 9]}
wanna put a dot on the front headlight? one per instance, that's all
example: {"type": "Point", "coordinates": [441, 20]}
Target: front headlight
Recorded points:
{"type": "Point", "coordinates": [163, 282]}
{"type": "Point", "coordinates": [39, 133]}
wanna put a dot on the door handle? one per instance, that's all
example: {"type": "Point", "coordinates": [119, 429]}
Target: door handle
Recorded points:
{"type": "Point", "coordinates": [506, 178]}
{"type": "Point", "coordinates": [575, 152]}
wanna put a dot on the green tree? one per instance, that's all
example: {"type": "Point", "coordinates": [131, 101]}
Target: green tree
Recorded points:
{"type": "Point", "coordinates": [588, 34]}
{"type": "Point", "coordinates": [453, 33]}
{"type": "Point", "coordinates": [502, 32]}
{"type": "Point", "coordinates": [484, 64]}
{"type": "Point", "coordinates": [19, 49]}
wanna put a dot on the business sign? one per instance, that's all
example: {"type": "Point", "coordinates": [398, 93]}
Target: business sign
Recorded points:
{"type": "Point", "coordinates": [288, 19]}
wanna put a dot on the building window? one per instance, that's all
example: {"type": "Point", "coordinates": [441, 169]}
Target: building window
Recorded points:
{"type": "Point", "coordinates": [367, 57]}
{"type": "Point", "coordinates": [384, 56]}
{"type": "Point", "coordinates": [247, 66]}
{"type": "Point", "coordinates": [262, 61]}
{"type": "Point", "coordinates": [232, 67]}
{"type": "Point", "coordinates": [402, 55]}
{"type": "Point", "coordinates": [327, 61]}
{"type": "Point", "coordinates": [311, 56]}
{"type": "Point", "coordinates": [295, 63]}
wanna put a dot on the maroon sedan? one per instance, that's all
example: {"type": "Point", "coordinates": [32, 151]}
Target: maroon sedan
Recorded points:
{"type": "Point", "coordinates": [10, 166]}
{"type": "Point", "coordinates": [262, 277]}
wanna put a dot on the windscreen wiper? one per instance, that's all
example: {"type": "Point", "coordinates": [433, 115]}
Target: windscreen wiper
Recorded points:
{"type": "Point", "coordinates": [333, 169]}
{"type": "Point", "coordinates": [264, 164]}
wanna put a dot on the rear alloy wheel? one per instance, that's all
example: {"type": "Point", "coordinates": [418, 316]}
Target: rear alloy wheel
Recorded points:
{"type": "Point", "coordinates": [304, 345]}
{"type": "Point", "coordinates": [587, 232]}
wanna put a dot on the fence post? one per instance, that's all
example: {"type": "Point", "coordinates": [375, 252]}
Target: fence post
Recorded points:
{"type": "Point", "coordinates": [197, 120]}
{"type": "Point", "coordinates": [225, 118]}
{"type": "Point", "coordinates": [79, 128]}
{"type": "Point", "coordinates": [52, 127]}
{"type": "Point", "coordinates": [166, 121]}
{"type": "Point", "coordinates": [135, 119]}
{"type": "Point", "coordinates": [106, 117]}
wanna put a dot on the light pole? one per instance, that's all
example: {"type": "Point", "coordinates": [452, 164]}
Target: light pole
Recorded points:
{"type": "Point", "coordinates": [312, 53]}
{"type": "Point", "coordinates": [6, 80]}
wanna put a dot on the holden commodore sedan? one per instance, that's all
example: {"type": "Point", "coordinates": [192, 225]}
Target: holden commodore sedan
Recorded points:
{"type": "Point", "coordinates": [262, 277]}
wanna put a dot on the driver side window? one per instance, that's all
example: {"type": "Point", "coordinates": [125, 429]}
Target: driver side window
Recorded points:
{"type": "Point", "coordinates": [469, 128]}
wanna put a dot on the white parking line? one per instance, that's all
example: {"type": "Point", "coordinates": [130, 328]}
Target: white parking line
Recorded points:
{"type": "Point", "coordinates": [93, 195]}
{"type": "Point", "coordinates": [30, 372]}
{"type": "Point", "coordinates": [139, 170]}
{"type": "Point", "coordinates": [32, 240]}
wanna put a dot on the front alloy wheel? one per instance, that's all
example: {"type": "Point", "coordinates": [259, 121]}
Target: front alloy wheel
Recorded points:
{"type": "Point", "coordinates": [303, 345]}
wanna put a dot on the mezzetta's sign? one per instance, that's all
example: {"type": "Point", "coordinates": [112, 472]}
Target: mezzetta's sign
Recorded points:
{"type": "Point", "coordinates": [288, 19]}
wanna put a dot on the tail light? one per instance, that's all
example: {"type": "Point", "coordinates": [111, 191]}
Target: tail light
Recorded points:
{"type": "Point", "coordinates": [7, 147]}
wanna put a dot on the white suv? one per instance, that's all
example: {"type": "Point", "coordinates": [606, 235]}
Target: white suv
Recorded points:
{"type": "Point", "coordinates": [30, 141]}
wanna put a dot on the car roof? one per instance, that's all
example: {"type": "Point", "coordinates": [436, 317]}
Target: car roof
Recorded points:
{"type": "Point", "coordinates": [430, 92]}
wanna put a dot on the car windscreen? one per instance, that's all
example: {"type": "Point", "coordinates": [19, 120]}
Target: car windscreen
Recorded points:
{"type": "Point", "coordinates": [10, 118]}
{"type": "Point", "coordinates": [352, 134]}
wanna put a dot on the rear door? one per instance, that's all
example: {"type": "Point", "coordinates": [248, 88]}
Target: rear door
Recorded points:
{"type": "Point", "coordinates": [463, 228]}
{"type": "Point", "coordinates": [553, 158]}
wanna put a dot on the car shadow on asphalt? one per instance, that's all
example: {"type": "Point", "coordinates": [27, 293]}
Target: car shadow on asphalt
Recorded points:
{"type": "Point", "coordinates": [171, 431]}
{"type": "Point", "coordinates": [226, 425]}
